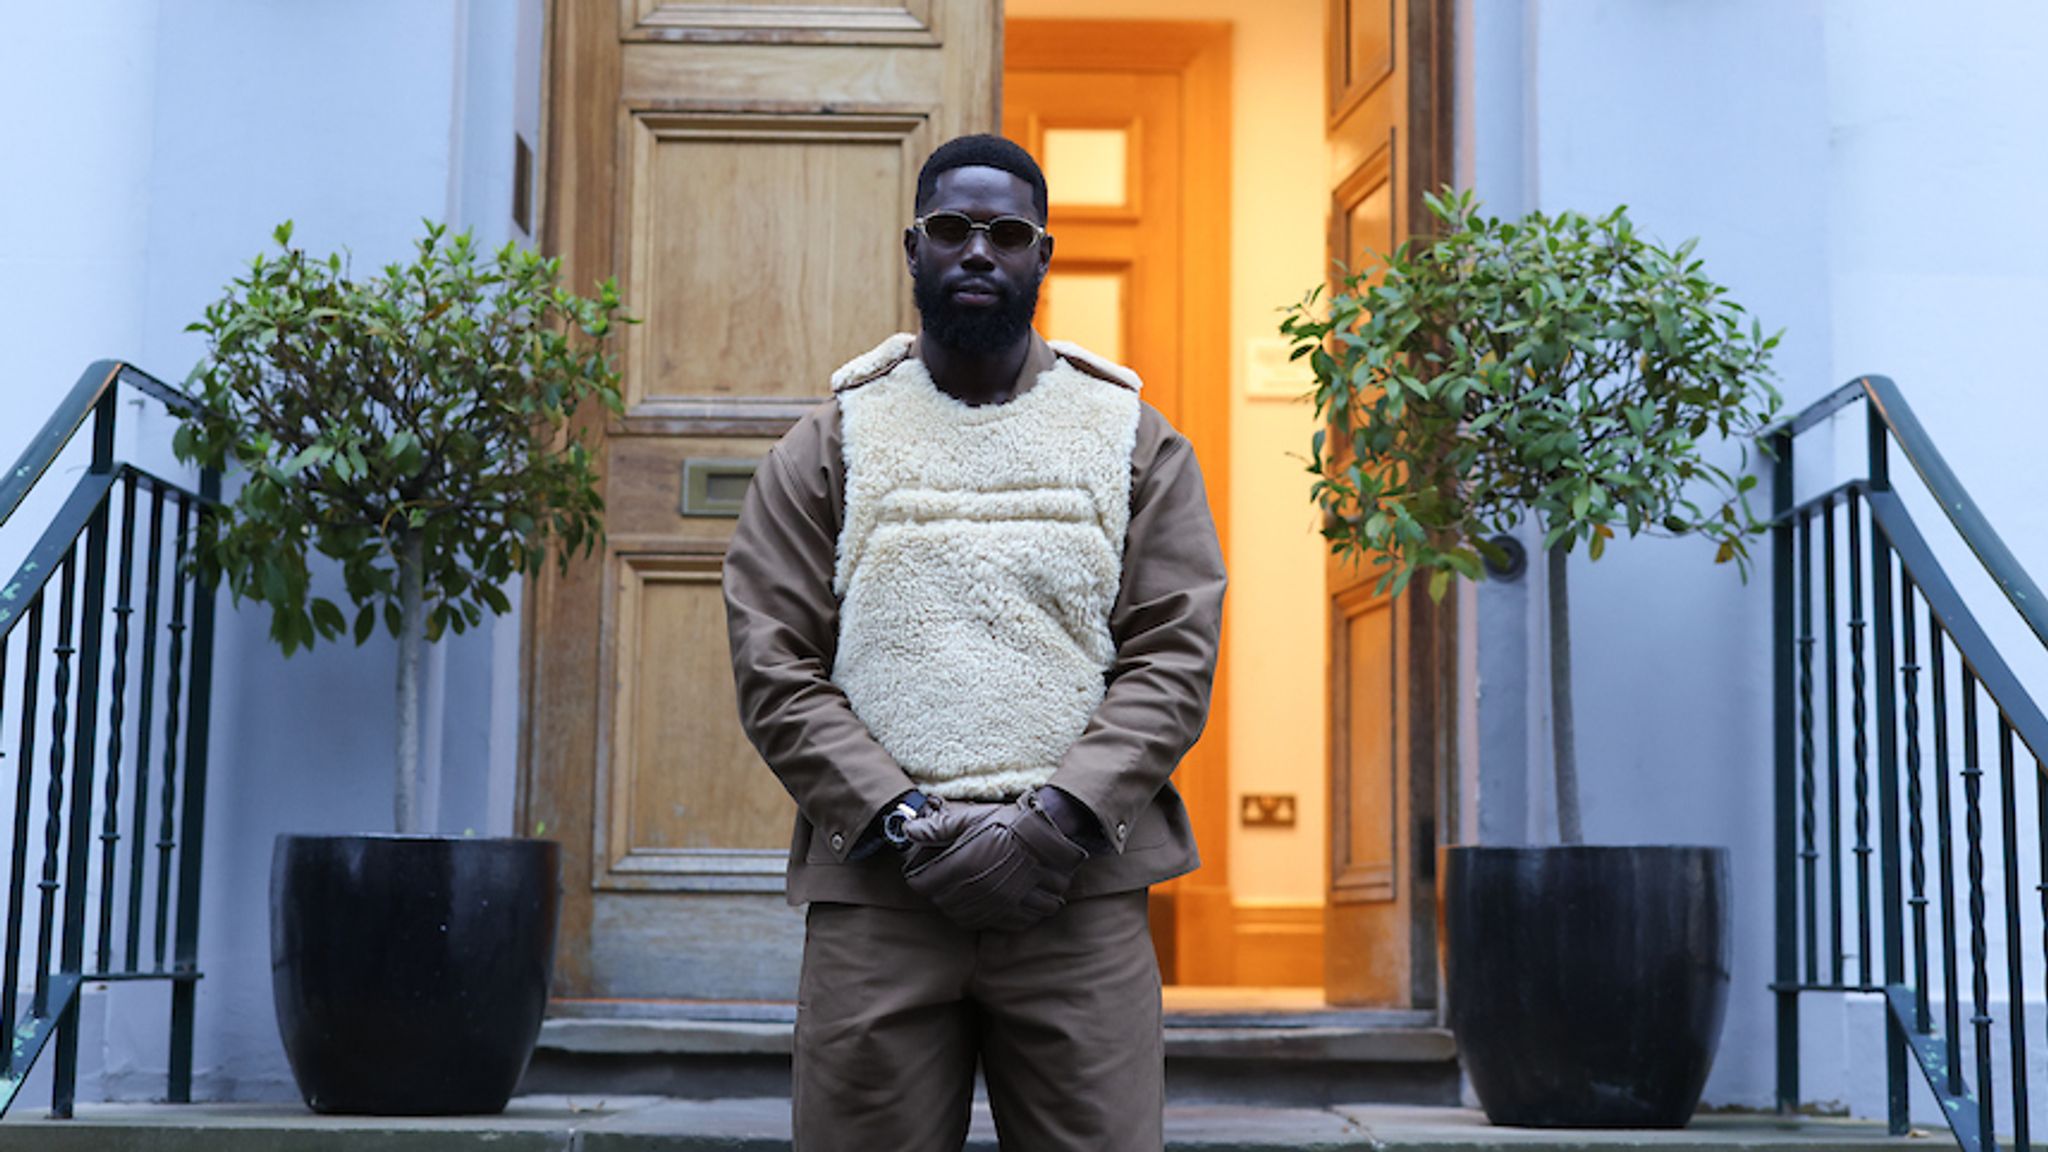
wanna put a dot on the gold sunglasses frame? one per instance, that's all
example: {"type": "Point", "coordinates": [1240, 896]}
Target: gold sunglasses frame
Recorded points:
{"type": "Point", "coordinates": [1038, 233]}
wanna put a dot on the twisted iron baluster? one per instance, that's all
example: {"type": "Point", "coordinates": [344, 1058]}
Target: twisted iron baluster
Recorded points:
{"type": "Point", "coordinates": [138, 856]}
{"type": "Point", "coordinates": [2015, 950]}
{"type": "Point", "coordinates": [1834, 731]}
{"type": "Point", "coordinates": [166, 838]}
{"type": "Point", "coordinates": [1980, 975]}
{"type": "Point", "coordinates": [1909, 671]}
{"type": "Point", "coordinates": [24, 771]}
{"type": "Point", "coordinates": [2041, 833]}
{"type": "Point", "coordinates": [1809, 856]}
{"type": "Point", "coordinates": [1951, 995]}
{"type": "Point", "coordinates": [53, 830]}
{"type": "Point", "coordinates": [117, 705]}
{"type": "Point", "coordinates": [1861, 737]}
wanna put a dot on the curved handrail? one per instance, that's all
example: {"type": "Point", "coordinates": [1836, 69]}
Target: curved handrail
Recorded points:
{"type": "Point", "coordinates": [65, 528]}
{"type": "Point", "coordinates": [1889, 405]}
{"type": "Point", "coordinates": [1890, 517]}
{"type": "Point", "coordinates": [69, 523]}
{"type": "Point", "coordinates": [98, 379]}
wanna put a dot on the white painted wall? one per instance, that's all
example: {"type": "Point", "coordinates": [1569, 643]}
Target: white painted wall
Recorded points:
{"type": "Point", "coordinates": [76, 131]}
{"type": "Point", "coordinates": [151, 150]}
{"type": "Point", "coordinates": [1825, 154]}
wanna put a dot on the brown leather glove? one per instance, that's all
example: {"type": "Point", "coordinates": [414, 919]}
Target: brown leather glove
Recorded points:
{"type": "Point", "coordinates": [1000, 866]}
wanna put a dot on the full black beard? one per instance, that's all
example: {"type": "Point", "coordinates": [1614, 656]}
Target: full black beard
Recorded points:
{"type": "Point", "coordinates": [974, 331]}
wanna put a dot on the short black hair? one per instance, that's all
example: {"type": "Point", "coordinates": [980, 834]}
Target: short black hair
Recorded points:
{"type": "Point", "coordinates": [981, 151]}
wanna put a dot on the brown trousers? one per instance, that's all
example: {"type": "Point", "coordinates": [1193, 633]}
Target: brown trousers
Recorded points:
{"type": "Point", "coordinates": [895, 1006]}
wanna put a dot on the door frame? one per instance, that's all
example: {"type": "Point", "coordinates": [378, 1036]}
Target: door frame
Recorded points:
{"type": "Point", "coordinates": [1431, 40]}
{"type": "Point", "coordinates": [1196, 929]}
{"type": "Point", "coordinates": [1414, 87]}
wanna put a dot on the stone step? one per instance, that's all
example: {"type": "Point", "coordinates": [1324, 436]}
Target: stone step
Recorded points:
{"type": "Point", "coordinates": [1272, 1058]}
{"type": "Point", "coordinates": [617, 1124]}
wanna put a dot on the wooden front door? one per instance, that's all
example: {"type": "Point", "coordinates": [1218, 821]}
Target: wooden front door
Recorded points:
{"type": "Point", "coordinates": [1389, 68]}
{"type": "Point", "coordinates": [1131, 122]}
{"type": "Point", "coordinates": [746, 169]}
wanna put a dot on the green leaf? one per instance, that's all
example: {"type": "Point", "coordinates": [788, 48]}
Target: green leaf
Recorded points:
{"type": "Point", "coordinates": [306, 457]}
{"type": "Point", "coordinates": [327, 618]}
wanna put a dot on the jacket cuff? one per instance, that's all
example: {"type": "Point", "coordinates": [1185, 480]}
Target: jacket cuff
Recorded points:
{"type": "Point", "coordinates": [1107, 792]}
{"type": "Point", "coordinates": [1074, 819]}
{"type": "Point", "coordinates": [858, 816]}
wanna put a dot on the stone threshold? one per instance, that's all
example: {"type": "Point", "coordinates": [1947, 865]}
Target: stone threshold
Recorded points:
{"type": "Point", "coordinates": [1221, 1048]}
{"type": "Point", "coordinates": [642, 1124]}
{"type": "Point", "coordinates": [766, 1028]}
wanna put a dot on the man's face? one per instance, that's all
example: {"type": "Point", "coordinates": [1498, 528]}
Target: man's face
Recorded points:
{"type": "Point", "coordinates": [975, 297]}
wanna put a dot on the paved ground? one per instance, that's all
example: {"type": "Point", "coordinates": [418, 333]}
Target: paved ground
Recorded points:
{"type": "Point", "coordinates": [644, 1124]}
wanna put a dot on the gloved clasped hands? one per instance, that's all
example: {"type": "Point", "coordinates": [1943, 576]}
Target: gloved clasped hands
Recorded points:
{"type": "Point", "coordinates": [1002, 866]}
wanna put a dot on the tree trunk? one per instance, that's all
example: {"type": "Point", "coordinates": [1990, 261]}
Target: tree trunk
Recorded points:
{"type": "Point", "coordinates": [411, 646]}
{"type": "Point", "coordinates": [1563, 739]}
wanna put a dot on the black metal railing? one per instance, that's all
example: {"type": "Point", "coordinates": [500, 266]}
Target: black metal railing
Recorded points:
{"type": "Point", "coordinates": [1940, 690]}
{"type": "Point", "coordinates": [84, 694]}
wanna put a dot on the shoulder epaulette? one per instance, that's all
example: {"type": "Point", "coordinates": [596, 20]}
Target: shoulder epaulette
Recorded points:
{"type": "Point", "coordinates": [873, 364]}
{"type": "Point", "coordinates": [1099, 367]}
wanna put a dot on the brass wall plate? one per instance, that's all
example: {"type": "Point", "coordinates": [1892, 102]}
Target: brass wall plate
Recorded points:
{"type": "Point", "coordinates": [1266, 809]}
{"type": "Point", "coordinates": [716, 487]}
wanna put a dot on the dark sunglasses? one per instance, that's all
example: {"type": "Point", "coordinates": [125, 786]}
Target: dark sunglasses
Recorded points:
{"type": "Point", "coordinates": [953, 229]}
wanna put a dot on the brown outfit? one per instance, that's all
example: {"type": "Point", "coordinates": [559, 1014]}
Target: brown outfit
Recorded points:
{"type": "Point", "coordinates": [784, 624]}
{"type": "Point", "coordinates": [895, 999]}
{"type": "Point", "coordinates": [1065, 1018]}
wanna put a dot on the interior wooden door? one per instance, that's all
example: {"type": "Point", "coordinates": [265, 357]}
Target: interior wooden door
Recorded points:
{"type": "Point", "coordinates": [746, 169]}
{"type": "Point", "coordinates": [1130, 120]}
{"type": "Point", "coordinates": [1389, 68]}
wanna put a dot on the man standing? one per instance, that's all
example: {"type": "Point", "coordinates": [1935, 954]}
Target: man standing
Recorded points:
{"type": "Point", "coordinates": [973, 603]}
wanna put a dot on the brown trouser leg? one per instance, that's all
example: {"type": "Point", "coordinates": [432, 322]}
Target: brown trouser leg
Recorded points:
{"type": "Point", "coordinates": [894, 1007]}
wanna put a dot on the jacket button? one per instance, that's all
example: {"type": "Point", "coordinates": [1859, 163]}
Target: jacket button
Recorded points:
{"type": "Point", "coordinates": [838, 842]}
{"type": "Point", "coordinates": [1122, 829]}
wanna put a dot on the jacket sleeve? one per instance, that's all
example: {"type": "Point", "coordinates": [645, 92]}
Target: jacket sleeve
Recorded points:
{"type": "Point", "coordinates": [1167, 624]}
{"type": "Point", "coordinates": [782, 620]}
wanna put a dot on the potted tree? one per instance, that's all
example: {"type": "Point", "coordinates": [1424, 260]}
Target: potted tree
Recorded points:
{"type": "Point", "coordinates": [1570, 372]}
{"type": "Point", "coordinates": [415, 428]}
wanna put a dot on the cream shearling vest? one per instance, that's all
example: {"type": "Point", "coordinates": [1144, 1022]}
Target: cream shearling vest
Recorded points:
{"type": "Point", "coordinates": [979, 555]}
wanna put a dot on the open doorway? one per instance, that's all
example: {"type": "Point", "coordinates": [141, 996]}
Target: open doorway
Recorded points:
{"type": "Point", "coordinates": [1140, 207]}
{"type": "Point", "coordinates": [1207, 160]}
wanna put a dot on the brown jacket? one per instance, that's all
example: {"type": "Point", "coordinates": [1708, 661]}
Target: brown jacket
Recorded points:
{"type": "Point", "coordinates": [783, 621]}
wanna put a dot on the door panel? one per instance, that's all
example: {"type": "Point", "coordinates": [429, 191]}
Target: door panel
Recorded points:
{"type": "Point", "coordinates": [1361, 51]}
{"type": "Point", "coordinates": [667, 605]}
{"type": "Point", "coordinates": [1367, 907]}
{"type": "Point", "coordinates": [786, 242]}
{"type": "Point", "coordinates": [1365, 864]}
{"type": "Point", "coordinates": [1389, 80]}
{"type": "Point", "coordinates": [746, 170]}
{"type": "Point", "coordinates": [841, 21]}
{"type": "Point", "coordinates": [1118, 230]}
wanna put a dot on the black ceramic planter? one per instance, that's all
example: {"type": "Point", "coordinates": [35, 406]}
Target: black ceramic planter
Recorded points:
{"type": "Point", "coordinates": [411, 972]}
{"type": "Point", "coordinates": [1587, 985]}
